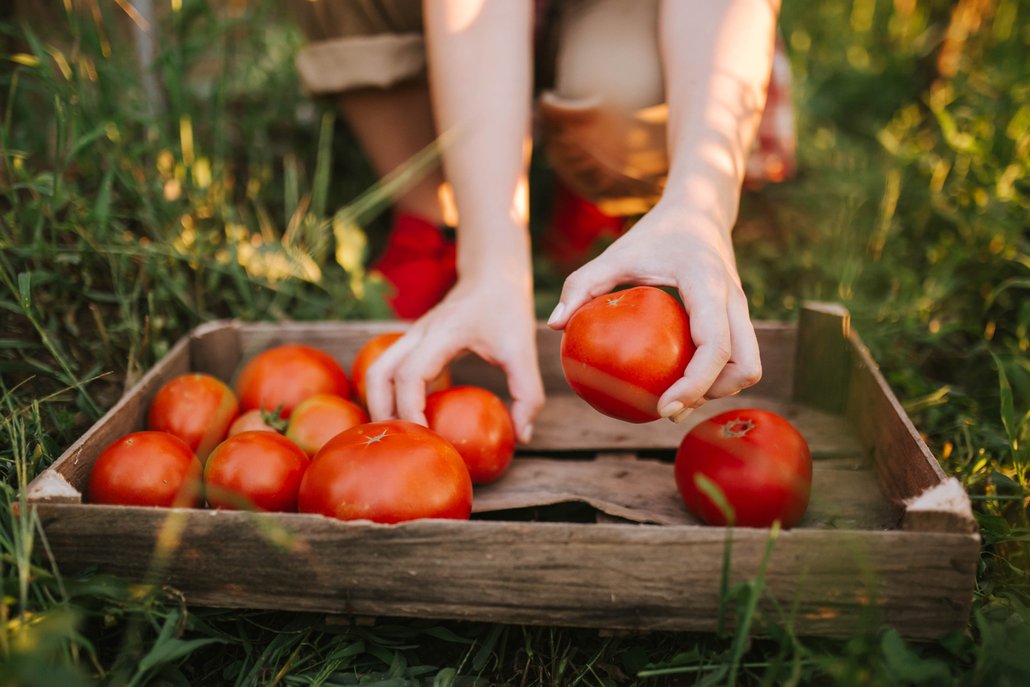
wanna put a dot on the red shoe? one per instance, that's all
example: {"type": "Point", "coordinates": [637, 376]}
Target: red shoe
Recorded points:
{"type": "Point", "coordinates": [576, 225]}
{"type": "Point", "coordinates": [419, 261]}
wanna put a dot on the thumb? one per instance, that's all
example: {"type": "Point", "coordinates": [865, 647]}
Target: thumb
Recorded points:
{"type": "Point", "coordinates": [588, 282]}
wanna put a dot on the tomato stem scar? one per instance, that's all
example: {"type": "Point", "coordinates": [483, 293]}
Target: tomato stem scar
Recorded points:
{"type": "Point", "coordinates": [377, 438]}
{"type": "Point", "coordinates": [737, 428]}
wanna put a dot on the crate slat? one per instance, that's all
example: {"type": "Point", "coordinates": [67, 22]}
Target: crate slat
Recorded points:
{"type": "Point", "coordinates": [596, 575]}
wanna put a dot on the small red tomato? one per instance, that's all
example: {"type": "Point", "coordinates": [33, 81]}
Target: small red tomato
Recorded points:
{"type": "Point", "coordinates": [371, 351]}
{"type": "Point", "coordinates": [146, 469]}
{"type": "Point", "coordinates": [259, 469]}
{"type": "Point", "coordinates": [251, 421]}
{"type": "Point", "coordinates": [478, 424]}
{"type": "Point", "coordinates": [286, 375]}
{"type": "Point", "coordinates": [320, 418]}
{"type": "Point", "coordinates": [620, 352]}
{"type": "Point", "coordinates": [387, 472]}
{"type": "Point", "coordinates": [757, 458]}
{"type": "Point", "coordinates": [197, 408]}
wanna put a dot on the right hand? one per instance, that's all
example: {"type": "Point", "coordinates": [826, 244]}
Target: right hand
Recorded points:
{"type": "Point", "coordinates": [492, 318]}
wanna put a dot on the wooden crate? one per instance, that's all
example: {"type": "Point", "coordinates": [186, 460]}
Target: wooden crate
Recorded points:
{"type": "Point", "coordinates": [587, 528]}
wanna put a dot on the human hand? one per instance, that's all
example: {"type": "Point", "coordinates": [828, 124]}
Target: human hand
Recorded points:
{"type": "Point", "coordinates": [675, 246]}
{"type": "Point", "coordinates": [492, 318]}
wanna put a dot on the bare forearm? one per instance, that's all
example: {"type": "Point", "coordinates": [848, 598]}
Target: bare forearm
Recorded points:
{"type": "Point", "coordinates": [717, 55]}
{"type": "Point", "coordinates": [480, 76]}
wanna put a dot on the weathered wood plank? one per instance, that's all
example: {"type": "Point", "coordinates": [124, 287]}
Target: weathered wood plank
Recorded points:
{"type": "Point", "coordinates": [596, 575]}
{"type": "Point", "coordinates": [904, 463]}
{"type": "Point", "coordinates": [567, 423]}
{"type": "Point", "coordinates": [823, 356]}
{"type": "Point", "coordinates": [215, 349]}
{"type": "Point", "coordinates": [128, 415]}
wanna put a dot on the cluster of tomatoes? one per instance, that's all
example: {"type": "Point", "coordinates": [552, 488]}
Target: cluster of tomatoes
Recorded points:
{"type": "Point", "coordinates": [290, 437]}
{"type": "Point", "coordinates": [747, 467]}
{"type": "Point", "coordinates": [619, 352]}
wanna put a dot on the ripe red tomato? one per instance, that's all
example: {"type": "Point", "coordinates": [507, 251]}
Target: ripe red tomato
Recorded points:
{"type": "Point", "coordinates": [757, 458]}
{"type": "Point", "coordinates": [320, 418]}
{"type": "Point", "coordinates": [146, 469]}
{"type": "Point", "coordinates": [197, 408]}
{"type": "Point", "coordinates": [259, 468]}
{"type": "Point", "coordinates": [286, 375]}
{"type": "Point", "coordinates": [387, 472]}
{"type": "Point", "coordinates": [371, 351]}
{"type": "Point", "coordinates": [478, 424]}
{"type": "Point", "coordinates": [251, 421]}
{"type": "Point", "coordinates": [621, 351]}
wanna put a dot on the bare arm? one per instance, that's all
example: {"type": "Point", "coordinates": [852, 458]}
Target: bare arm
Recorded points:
{"type": "Point", "coordinates": [480, 79]}
{"type": "Point", "coordinates": [716, 56]}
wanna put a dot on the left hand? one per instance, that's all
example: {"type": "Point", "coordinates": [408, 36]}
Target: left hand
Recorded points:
{"type": "Point", "coordinates": [676, 246]}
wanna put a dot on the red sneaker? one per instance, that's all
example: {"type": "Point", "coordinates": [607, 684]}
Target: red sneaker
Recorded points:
{"type": "Point", "coordinates": [419, 261]}
{"type": "Point", "coordinates": [576, 224]}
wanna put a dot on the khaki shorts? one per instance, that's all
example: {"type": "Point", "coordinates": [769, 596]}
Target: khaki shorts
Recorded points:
{"type": "Point", "coordinates": [615, 157]}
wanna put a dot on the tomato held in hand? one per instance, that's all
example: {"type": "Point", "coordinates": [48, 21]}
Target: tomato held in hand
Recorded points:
{"type": "Point", "coordinates": [255, 420]}
{"type": "Point", "coordinates": [259, 469]}
{"type": "Point", "coordinates": [286, 375]}
{"type": "Point", "coordinates": [371, 351]}
{"type": "Point", "coordinates": [387, 472]}
{"type": "Point", "coordinates": [320, 418]}
{"type": "Point", "coordinates": [621, 351]}
{"type": "Point", "coordinates": [197, 408]}
{"type": "Point", "coordinates": [760, 462]}
{"type": "Point", "coordinates": [146, 469]}
{"type": "Point", "coordinates": [479, 425]}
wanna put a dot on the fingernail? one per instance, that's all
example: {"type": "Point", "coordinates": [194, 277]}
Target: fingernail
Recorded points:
{"type": "Point", "coordinates": [556, 314]}
{"type": "Point", "coordinates": [671, 409]}
{"type": "Point", "coordinates": [682, 415]}
{"type": "Point", "coordinates": [527, 434]}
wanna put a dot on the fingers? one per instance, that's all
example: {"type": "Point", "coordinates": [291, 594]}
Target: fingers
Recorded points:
{"type": "Point", "coordinates": [585, 283]}
{"type": "Point", "coordinates": [727, 359]}
{"type": "Point", "coordinates": [745, 366]}
{"type": "Point", "coordinates": [422, 365]}
{"type": "Point", "coordinates": [379, 387]}
{"type": "Point", "coordinates": [527, 391]}
{"type": "Point", "coordinates": [710, 331]}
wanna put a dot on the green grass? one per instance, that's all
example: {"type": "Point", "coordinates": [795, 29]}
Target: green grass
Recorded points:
{"type": "Point", "coordinates": [122, 226]}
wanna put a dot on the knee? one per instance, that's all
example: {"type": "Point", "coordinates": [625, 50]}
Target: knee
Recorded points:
{"type": "Point", "coordinates": [608, 49]}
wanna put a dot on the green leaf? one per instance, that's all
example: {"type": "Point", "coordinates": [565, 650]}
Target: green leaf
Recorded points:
{"type": "Point", "coordinates": [1008, 409]}
{"type": "Point", "coordinates": [25, 289]}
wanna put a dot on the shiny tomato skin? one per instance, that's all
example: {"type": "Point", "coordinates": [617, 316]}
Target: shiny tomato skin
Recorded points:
{"type": "Point", "coordinates": [260, 469]}
{"type": "Point", "coordinates": [478, 425]}
{"type": "Point", "coordinates": [758, 459]}
{"type": "Point", "coordinates": [286, 375]}
{"type": "Point", "coordinates": [251, 421]}
{"type": "Point", "coordinates": [371, 351]}
{"type": "Point", "coordinates": [318, 419]}
{"type": "Point", "coordinates": [146, 469]}
{"type": "Point", "coordinates": [387, 472]}
{"type": "Point", "coordinates": [195, 407]}
{"type": "Point", "coordinates": [621, 351]}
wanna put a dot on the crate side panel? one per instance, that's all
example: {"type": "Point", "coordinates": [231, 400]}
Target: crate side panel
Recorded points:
{"type": "Point", "coordinates": [904, 463]}
{"type": "Point", "coordinates": [569, 423]}
{"type": "Point", "coordinates": [823, 356]}
{"type": "Point", "coordinates": [127, 415]}
{"type": "Point", "coordinates": [215, 349]}
{"type": "Point", "coordinates": [616, 576]}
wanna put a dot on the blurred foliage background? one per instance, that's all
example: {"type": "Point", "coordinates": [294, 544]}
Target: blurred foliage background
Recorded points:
{"type": "Point", "coordinates": [135, 204]}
